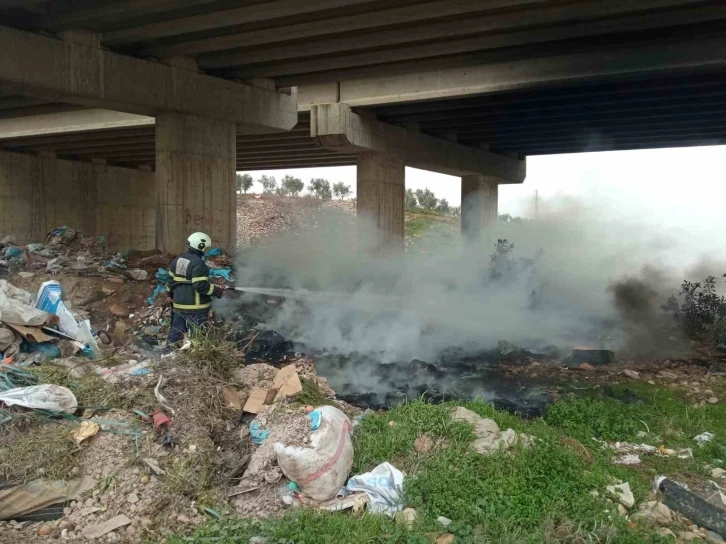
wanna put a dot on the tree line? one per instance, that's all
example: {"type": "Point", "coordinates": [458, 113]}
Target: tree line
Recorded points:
{"type": "Point", "coordinates": [292, 186]}
{"type": "Point", "coordinates": [424, 200]}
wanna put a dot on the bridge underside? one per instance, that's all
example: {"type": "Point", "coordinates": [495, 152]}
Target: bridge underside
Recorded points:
{"type": "Point", "coordinates": [641, 113]}
{"type": "Point", "coordinates": [181, 93]}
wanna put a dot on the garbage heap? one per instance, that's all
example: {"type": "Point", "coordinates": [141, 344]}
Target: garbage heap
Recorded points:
{"type": "Point", "coordinates": [67, 250]}
{"type": "Point", "coordinates": [144, 449]}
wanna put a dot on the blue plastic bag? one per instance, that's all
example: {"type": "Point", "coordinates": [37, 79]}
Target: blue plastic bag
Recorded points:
{"type": "Point", "coordinates": [214, 252]}
{"type": "Point", "coordinates": [257, 434]}
{"type": "Point", "coordinates": [220, 273]}
{"type": "Point", "coordinates": [13, 251]}
{"type": "Point", "coordinates": [50, 350]}
{"type": "Point", "coordinates": [315, 418]}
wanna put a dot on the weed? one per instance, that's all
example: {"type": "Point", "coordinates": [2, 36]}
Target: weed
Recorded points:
{"type": "Point", "coordinates": [188, 474]}
{"type": "Point", "coordinates": [212, 352]}
{"type": "Point", "coordinates": [311, 395]}
{"type": "Point", "coordinates": [46, 451]}
{"type": "Point", "coordinates": [90, 389]}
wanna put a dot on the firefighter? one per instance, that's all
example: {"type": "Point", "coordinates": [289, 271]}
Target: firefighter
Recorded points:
{"type": "Point", "coordinates": [189, 289]}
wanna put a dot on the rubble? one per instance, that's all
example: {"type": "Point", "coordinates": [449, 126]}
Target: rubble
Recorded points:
{"type": "Point", "coordinates": [489, 439]}
{"type": "Point", "coordinates": [622, 494]}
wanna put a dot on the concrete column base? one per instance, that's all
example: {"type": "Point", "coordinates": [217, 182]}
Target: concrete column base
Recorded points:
{"type": "Point", "coordinates": [381, 198]}
{"type": "Point", "coordinates": [195, 181]}
{"type": "Point", "coordinates": [479, 205]}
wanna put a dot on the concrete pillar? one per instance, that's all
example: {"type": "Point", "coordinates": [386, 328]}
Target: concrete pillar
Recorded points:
{"type": "Point", "coordinates": [381, 199]}
{"type": "Point", "coordinates": [195, 186]}
{"type": "Point", "coordinates": [479, 204]}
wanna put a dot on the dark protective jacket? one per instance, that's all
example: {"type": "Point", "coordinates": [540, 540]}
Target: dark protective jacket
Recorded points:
{"type": "Point", "coordinates": [189, 287]}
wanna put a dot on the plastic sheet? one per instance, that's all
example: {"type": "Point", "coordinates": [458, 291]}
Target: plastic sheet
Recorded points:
{"type": "Point", "coordinates": [383, 485]}
{"type": "Point", "coordinates": [49, 397]}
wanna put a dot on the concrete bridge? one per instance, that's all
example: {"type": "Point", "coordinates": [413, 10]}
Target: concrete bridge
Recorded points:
{"type": "Point", "coordinates": [130, 117]}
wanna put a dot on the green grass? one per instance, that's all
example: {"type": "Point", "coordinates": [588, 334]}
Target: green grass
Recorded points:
{"type": "Point", "coordinates": [542, 494]}
{"type": "Point", "coordinates": [416, 225]}
{"type": "Point", "coordinates": [664, 414]}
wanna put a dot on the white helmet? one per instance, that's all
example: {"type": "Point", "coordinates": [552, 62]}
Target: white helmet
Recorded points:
{"type": "Point", "coordinates": [200, 241]}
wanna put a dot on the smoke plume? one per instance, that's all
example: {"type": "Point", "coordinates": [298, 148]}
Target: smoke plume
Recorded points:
{"type": "Point", "coordinates": [573, 277]}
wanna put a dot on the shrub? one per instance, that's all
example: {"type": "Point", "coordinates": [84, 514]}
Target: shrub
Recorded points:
{"type": "Point", "coordinates": [701, 311]}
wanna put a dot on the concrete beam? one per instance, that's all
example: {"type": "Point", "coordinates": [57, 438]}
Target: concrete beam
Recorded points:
{"type": "Point", "coordinates": [299, 30]}
{"type": "Point", "coordinates": [479, 32]}
{"type": "Point", "coordinates": [87, 76]}
{"type": "Point", "coordinates": [223, 18]}
{"type": "Point", "coordinates": [62, 15]}
{"type": "Point", "coordinates": [336, 127]}
{"type": "Point", "coordinates": [70, 121]}
{"type": "Point", "coordinates": [418, 83]}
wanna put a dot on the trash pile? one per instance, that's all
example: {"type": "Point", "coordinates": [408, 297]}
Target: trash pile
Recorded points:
{"type": "Point", "coordinates": [143, 449]}
{"type": "Point", "coordinates": [66, 249]}
{"type": "Point", "coordinates": [34, 329]}
{"type": "Point", "coordinates": [304, 454]}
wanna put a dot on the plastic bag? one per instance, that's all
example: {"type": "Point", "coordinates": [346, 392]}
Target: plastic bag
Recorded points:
{"type": "Point", "coordinates": [383, 485]}
{"type": "Point", "coordinates": [15, 307]}
{"type": "Point", "coordinates": [41, 397]}
{"type": "Point", "coordinates": [321, 469]}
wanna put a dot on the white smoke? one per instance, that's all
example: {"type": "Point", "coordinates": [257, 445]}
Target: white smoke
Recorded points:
{"type": "Point", "coordinates": [442, 295]}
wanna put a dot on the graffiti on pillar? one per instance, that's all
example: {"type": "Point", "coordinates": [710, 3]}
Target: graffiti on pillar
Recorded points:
{"type": "Point", "coordinates": [196, 221]}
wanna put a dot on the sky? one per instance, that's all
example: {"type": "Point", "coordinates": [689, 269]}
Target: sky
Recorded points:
{"type": "Point", "coordinates": [679, 191]}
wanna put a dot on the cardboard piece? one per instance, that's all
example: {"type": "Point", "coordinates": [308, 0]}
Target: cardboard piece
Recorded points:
{"type": "Point", "coordinates": [232, 398]}
{"type": "Point", "coordinates": [287, 382]}
{"type": "Point", "coordinates": [31, 334]}
{"type": "Point", "coordinates": [259, 398]}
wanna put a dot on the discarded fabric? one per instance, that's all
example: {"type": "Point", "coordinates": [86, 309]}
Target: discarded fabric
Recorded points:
{"type": "Point", "coordinates": [41, 397]}
{"type": "Point", "coordinates": [383, 485]}
{"type": "Point", "coordinates": [27, 498]}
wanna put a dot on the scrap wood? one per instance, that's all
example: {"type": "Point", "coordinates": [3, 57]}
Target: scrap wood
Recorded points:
{"type": "Point", "coordinates": [236, 492]}
{"type": "Point", "coordinates": [244, 349]}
